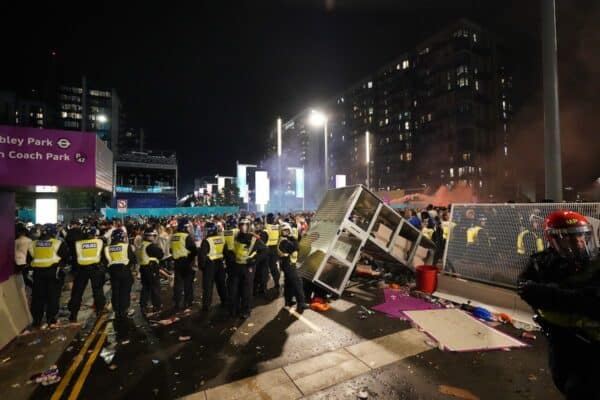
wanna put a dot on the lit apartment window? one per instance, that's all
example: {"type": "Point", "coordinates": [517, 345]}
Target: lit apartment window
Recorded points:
{"type": "Point", "coordinates": [462, 69]}
{"type": "Point", "coordinates": [429, 117]}
{"type": "Point", "coordinates": [451, 172]}
{"type": "Point", "coordinates": [405, 64]}
{"type": "Point", "coordinates": [401, 137]}
{"type": "Point", "coordinates": [39, 115]}
{"type": "Point", "coordinates": [387, 121]}
{"type": "Point", "coordinates": [370, 110]}
{"type": "Point", "coordinates": [370, 84]}
{"type": "Point", "coordinates": [461, 171]}
{"type": "Point", "coordinates": [398, 67]}
{"type": "Point", "coordinates": [477, 85]}
{"type": "Point", "coordinates": [505, 151]}
{"type": "Point", "coordinates": [503, 104]}
{"type": "Point", "coordinates": [466, 156]}
{"type": "Point", "coordinates": [475, 41]}
{"type": "Point", "coordinates": [463, 81]}
{"type": "Point", "coordinates": [408, 156]}
{"type": "Point", "coordinates": [63, 114]}
{"type": "Point", "coordinates": [401, 156]}
{"type": "Point", "coordinates": [407, 125]}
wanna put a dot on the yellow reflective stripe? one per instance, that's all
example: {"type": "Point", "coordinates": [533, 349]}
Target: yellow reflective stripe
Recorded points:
{"type": "Point", "coordinates": [243, 252]}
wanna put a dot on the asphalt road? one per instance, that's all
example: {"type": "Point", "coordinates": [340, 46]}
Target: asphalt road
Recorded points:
{"type": "Point", "coordinates": [152, 361]}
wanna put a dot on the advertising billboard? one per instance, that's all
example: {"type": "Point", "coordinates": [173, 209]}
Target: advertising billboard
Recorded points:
{"type": "Point", "coordinates": [32, 157]}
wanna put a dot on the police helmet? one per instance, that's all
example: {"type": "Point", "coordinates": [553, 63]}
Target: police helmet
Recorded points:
{"type": "Point", "coordinates": [150, 232]}
{"type": "Point", "coordinates": [49, 230]}
{"type": "Point", "coordinates": [183, 225]}
{"type": "Point", "coordinates": [270, 218]}
{"type": "Point", "coordinates": [117, 236]}
{"type": "Point", "coordinates": [211, 229]}
{"type": "Point", "coordinates": [230, 222]}
{"type": "Point", "coordinates": [285, 227]}
{"type": "Point", "coordinates": [244, 221]}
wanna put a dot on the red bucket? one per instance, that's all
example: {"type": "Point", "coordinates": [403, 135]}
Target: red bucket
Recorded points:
{"type": "Point", "coordinates": [426, 277]}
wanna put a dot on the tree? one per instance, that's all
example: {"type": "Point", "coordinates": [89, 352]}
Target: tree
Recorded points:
{"type": "Point", "coordinates": [231, 194]}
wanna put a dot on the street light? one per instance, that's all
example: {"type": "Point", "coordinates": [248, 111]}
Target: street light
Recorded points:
{"type": "Point", "coordinates": [102, 118]}
{"type": "Point", "coordinates": [317, 118]}
{"type": "Point", "coordinates": [368, 157]}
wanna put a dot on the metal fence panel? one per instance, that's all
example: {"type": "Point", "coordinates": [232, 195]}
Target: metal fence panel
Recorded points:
{"type": "Point", "coordinates": [508, 234]}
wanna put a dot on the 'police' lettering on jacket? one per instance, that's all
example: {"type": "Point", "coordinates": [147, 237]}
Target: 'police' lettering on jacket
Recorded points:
{"type": "Point", "coordinates": [89, 246]}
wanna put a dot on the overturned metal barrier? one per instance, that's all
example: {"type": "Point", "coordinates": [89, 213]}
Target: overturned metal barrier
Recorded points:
{"type": "Point", "coordinates": [351, 221]}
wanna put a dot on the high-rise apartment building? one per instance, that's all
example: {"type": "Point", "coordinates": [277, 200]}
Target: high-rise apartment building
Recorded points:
{"type": "Point", "coordinates": [439, 114]}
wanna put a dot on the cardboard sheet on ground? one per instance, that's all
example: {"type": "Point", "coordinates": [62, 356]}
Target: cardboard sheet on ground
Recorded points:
{"type": "Point", "coordinates": [458, 331]}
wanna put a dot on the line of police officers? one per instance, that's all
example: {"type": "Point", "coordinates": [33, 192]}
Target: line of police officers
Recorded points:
{"type": "Point", "coordinates": [237, 261]}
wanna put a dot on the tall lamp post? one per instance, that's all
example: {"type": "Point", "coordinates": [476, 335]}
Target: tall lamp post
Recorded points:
{"type": "Point", "coordinates": [368, 158]}
{"type": "Point", "coordinates": [317, 118]}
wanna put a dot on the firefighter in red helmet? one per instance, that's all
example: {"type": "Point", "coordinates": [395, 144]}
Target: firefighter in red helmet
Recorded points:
{"type": "Point", "coordinates": [562, 285]}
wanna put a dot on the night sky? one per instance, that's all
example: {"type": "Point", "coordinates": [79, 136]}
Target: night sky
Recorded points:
{"type": "Point", "coordinates": [208, 79]}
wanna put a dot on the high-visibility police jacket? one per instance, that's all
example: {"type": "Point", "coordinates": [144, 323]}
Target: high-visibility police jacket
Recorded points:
{"type": "Point", "coordinates": [178, 249]}
{"type": "Point", "coordinates": [447, 227]}
{"type": "Point", "coordinates": [88, 251]}
{"type": "Point", "coordinates": [142, 255]}
{"type": "Point", "coordinates": [244, 252]}
{"type": "Point", "coordinates": [295, 232]}
{"type": "Point", "coordinates": [216, 245]}
{"type": "Point", "coordinates": [229, 236]}
{"type": "Point", "coordinates": [293, 255]}
{"type": "Point", "coordinates": [428, 232]}
{"type": "Point", "coordinates": [273, 232]}
{"type": "Point", "coordinates": [44, 253]}
{"type": "Point", "coordinates": [539, 243]}
{"type": "Point", "coordinates": [117, 253]}
{"type": "Point", "coordinates": [472, 233]}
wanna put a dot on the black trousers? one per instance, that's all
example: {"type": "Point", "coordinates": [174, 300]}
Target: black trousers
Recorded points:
{"type": "Point", "coordinates": [571, 360]}
{"type": "Point", "coordinates": [292, 284]}
{"type": "Point", "coordinates": [272, 259]}
{"type": "Point", "coordinates": [213, 274]}
{"type": "Point", "coordinates": [261, 276]}
{"type": "Point", "coordinates": [93, 274]}
{"type": "Point", "coordinates": [45, 295]}
{"type": "Point", "coordinates": [150, 277]}
{"type": "Point", "coordinates": [242, 280]}
{"type": "Point", "coordinates": [121, 281]}
{"type": "Point", "coordinates": [184, 283]}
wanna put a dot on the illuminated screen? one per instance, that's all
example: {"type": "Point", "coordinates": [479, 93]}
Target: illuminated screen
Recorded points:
{"type": "Point", "coordinates": [340, 181]}
{"type": "Point", "coordinates": [46, 211]}
{"type": "Point", "coordinates": [300, 183]}
{"type": "Point", "coordinates": [262, 187]}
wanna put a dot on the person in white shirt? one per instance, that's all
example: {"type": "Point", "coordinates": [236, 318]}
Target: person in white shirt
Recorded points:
{"type": "Point", "coordinates": [22, 243]}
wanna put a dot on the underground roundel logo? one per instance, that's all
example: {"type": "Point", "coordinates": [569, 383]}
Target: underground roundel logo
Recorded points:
{"type": "Point", "coordinates": [80, 158]}
{"type": "Point", "coordinates": [63, 143]}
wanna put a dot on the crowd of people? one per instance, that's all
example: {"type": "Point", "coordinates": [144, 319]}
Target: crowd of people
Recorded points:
{"type": "Point", "coordinates": [235, 254]}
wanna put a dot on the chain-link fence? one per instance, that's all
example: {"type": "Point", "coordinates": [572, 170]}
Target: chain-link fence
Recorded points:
{"type": "Point", "coordinates": [492, 242]}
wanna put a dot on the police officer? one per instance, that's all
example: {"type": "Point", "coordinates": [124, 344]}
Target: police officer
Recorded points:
{"type": "Point", "coordinates": [248, 249]}
{"type": "Point", "coordinates": [478, 240]}
{"type": "Point", "coordinates": [210, 261]}
{"type": "Point", "coordinates": [272, 230]}
{"type": "Point", "coordinates": [46, 255]}
{"type": "Point", "coordinates": [184, 250]}
{"type": "Point", "coordinates": [562, 285]}
{"type": "Point", "coordinates": [528, 241]}
{"type": "Point", "coordinates": [120, 257]}
{"type": "Point", "coordinates": [149, 255]}
{"type": "Point", "coordinates": [428, 228]}
{"type": "Point", "coordinates": [288, 256]}
{"type": "Point", "coordinates": [261, 278]}
{"type": "Point", "coordinates": [88, 262]}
